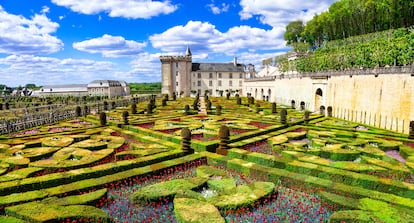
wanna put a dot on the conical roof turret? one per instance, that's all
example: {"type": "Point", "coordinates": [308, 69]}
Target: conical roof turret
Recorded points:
{"type": "Point", "coordinates": [188, 51]}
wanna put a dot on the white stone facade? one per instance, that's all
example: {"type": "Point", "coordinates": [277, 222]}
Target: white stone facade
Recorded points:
{"type": "Point", "coordinates": [185, 78]}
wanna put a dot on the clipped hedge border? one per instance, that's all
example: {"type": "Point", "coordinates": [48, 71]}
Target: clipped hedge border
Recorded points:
{"type": "Point", "coordinates": [94, 183]}
{"type": "Point", "coordinates": [286, 177]}
{"type": "Point", "coordinates": [51, 180]}
{"type": "Point", "coordinates": [334, 174]}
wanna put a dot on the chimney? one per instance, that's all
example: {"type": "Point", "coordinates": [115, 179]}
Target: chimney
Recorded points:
{"type": "Point", "coordinates": [235, 61]}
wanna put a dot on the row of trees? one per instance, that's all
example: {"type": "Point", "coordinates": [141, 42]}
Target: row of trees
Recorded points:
{"type": "Point", "coordinates": [346, 18]}
{"type": "Point", "coordinates": [145, 88]}
{"type": "Point", "coordinates": [388, 48]}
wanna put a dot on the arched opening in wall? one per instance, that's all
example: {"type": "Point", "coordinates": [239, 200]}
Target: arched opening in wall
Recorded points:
{"type": "Point", "coordinates": [255, 93]}
{"type": "Point", "coordinates": [318, 98]}
{"type": "Point", "coordinates": [293, 104]}
{"type": "Point", "coordinates": [263, 96]}
{"type": "Point", "coordinates": [302, 105]}
{"type": "Point", "coordinates": [269, 94]}
{"type": "Point", "coordinates": [322, 110]}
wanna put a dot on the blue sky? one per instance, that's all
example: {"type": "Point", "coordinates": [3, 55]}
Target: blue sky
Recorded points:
{"type": "Point", "coordinates": [76, 41]}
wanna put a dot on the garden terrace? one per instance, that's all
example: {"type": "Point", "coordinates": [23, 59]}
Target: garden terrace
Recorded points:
{"type": "Point", "coordinates": [320, 169]}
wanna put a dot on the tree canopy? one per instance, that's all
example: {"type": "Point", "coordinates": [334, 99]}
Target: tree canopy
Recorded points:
{"type": "Point", "coordinates": [346, 18]}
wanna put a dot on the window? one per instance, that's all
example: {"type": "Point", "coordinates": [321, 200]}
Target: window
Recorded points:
{"type": "Point", "coordinates": [198, 83]}
{"type": "Point", "coordinates": [230, 83]}
{"type": "Point", "coordinates": [210, 83]}
{"type": "Point", "coordinates": [231, 75]}
{"type": "Point", "coordinates": [176, 83]}
{"type": "Point", "coordinates": [210, 75]}
{"type": "Point", "coordinates": [199, 92]}
{"type": "Point", "coordinates": [240, 83]}
{"type": "Point", "coordinates": [219, 75]}
{"type": "Point", "coordinates": [176, 73]}
{"type": "Point", "coordinates": [193, 83]}
{"type": "Point", "coordinates": [241, 75]}
{"type": "Point", "coordinates": [193, 74]}
{"type": "Point", "coordinates": [219, 83]}
{"type": "Point", "coordinates": [199, 75]}
{"type": "Point", "coordinates": [176, 64]}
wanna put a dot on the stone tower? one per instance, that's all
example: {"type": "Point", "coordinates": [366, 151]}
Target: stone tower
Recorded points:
{"type": "Point", "coordinates": [176, 74]}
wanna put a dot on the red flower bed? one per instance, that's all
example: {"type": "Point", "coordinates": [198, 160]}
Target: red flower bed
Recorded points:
{"type": "Point", "coordinates": [238, 131]}
{"type": "Point", "coordinates": [260, 125]}
{"type": "Point", "coordinates": [169, 131]}
{"type": "Point", "coordinates": [146, 125]}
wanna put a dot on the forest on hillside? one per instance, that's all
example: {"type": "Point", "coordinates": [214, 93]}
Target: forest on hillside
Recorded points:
{"type": "Point", "coordinates": [351, 34]}
{"type": "Point", "coordinates": [347, 18]}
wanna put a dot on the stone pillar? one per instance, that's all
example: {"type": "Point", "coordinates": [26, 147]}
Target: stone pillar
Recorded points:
{"type": "Point", "coordinates": [224, 136]}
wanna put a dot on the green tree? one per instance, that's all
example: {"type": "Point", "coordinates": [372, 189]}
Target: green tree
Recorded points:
{"type": "Point", "coordinates": [294, 32]}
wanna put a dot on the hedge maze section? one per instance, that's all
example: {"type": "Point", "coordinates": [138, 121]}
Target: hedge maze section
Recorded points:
{"type": "Point", "coordinates": [66, 171]}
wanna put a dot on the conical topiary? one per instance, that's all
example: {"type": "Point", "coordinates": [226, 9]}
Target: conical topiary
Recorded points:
{"type": "Point", "coordinates": [134, 108]}
{"type": "Point", "coordinates": [258, 108]}
{"type": "Point", "coordinates": [208, 105]}
{"type": "Point", "coordinates": [283, 116]}
{"type": "Point", "coordinates": [306, 116]}
{"type": "Point", "coordinates": [187, 109]}
{"type": "Point", "coordinates": [224, 136]}
{"type": "Point", "coordinates": [186, 140]}
{"type": "Point", "coordinates": [125, 115]}
{"type": "Point", "coordinates": [105, 104]}
{"type": "Point", "coordinates": [149, 108]}
{"type": "Point", "coordinates": [274, 110]}
{"type": "Point", "coordinates": [239, 101]}
{"type": "Point", "coordinates": [78, 111]}
{"type": "Point", "coordinates": [102, 118]}
{"type": "Point", "coordinates": [218, 110]}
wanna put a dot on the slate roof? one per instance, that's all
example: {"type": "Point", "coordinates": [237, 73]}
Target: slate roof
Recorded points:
{"type": "Point", "coordinates": [65, 88]}
{"type": "Point", "coordinates": [217, 67]}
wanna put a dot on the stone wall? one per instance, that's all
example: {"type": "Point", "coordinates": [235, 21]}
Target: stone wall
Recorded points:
{"type": "Point", "coordinates": [381, 100]}
{"type": "Point", "coordinates": [384, 101]}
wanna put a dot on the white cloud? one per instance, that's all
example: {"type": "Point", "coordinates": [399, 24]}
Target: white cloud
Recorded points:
{"type": "Point", "coordinates": [281, 12]}
{"type": "Point", "coordinates": [110, 46]}
{"type": "Point", "coordinates": [134, 9]}
{"type": "Point", "coordinates": [203, 37]}
{"type": "Point", "coordinates": [146, 68]}
{"type": "Point", "coordinates": [217, 9]}
{"type": "Point", "coordinates": [24, 69]}
{"type": "Point", "coordinates": [19, 35]}
{"type": "Point", "coordinates": [45, 9]}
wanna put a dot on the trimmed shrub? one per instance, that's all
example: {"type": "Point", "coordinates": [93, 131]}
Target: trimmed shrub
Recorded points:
{"type": "Point", "coordinates": [102, 118]}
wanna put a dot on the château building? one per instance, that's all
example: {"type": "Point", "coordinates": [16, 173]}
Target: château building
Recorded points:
{"type": "Point", "coordinates": [185, 78]}
{"type": "Point", "coordinates": [109, 88]}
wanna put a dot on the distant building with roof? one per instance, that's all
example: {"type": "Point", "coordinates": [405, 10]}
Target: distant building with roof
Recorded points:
{"type": "Point", "coordinates": [109, 88]}
{"type": "Point", "coordinates": [182, 76]}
